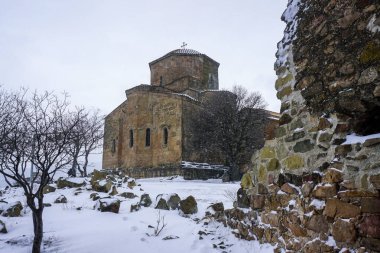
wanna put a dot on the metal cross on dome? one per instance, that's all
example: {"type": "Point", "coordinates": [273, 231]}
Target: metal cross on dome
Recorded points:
{"type": "Point", "coordinates": [183, 45]}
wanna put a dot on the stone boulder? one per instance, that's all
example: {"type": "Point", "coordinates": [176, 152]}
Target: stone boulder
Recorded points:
{"type": "Point", "coordinates": [98, 175]}
{"type": "Point", "coordinates": [188, 205]}
{"type": "Point", "coordinates": [94, 196]}
{"type": "Point", "coordinates": [161, 202]}
{"type": "Point", "coordinates": [3, 228]}
{"type": "Point", "coordinates": [61, 200]}
{"type": "Point", "coordinates": [48, 189]}
{"type": "Point", "coordinates": [70, 182]}
{"type": "Point", "coordinates": [104, 185]}
{"type": "Point", "coordinates": [128, 195]}
{"type": "Point", "coordinates": [108, 205]}
{"type": "Point", "coordinates": [11, 209]}
{"type": "Point", "coordinates": [131, 183]}
{"type": "Point", "coordinates": [113, 191]}
{"type": "Point", "coordinates": [217, 207]}
{"type": "Point", "coordinates": [135, 207]}
{"type": "Point", "coordinates": [145, 200]}
{"type": "Point", "coordinates": [173, 201]}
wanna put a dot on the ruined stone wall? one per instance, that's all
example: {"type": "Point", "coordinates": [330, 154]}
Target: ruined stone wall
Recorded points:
{"type": "Point", "coordinates": [315, 188]}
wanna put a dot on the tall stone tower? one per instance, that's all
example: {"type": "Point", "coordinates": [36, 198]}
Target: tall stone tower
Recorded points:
{"type": "Point", "coordinates": [184, 69]}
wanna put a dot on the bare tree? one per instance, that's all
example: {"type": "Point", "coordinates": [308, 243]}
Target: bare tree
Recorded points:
{"type": "Point", "coordinates": [87, 136]}
{"type": "Point", "coordinates": [38, 134]}
{"type": "Point", "coordinates": [231, 125]}
{"type": "Point", "coordinates": [93, 138]}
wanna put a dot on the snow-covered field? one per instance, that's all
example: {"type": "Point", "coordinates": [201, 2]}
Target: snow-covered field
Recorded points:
{"type": "Point", "coordinates": [87, 230]}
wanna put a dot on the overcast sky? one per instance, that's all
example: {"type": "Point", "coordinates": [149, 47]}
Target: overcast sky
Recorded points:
{"type": "Point", "coordinates": [96, 49]}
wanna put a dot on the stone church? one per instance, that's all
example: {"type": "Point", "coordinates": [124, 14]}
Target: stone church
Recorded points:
{"type": "Point", "coordinates": [149, 133]}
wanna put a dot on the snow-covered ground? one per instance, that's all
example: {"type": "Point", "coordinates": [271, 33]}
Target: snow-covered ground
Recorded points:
{"type": "Point", "coordinates": [87, 230]}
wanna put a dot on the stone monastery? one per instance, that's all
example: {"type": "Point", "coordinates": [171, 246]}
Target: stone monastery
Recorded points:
{"type": "Point", "coordinates": [149, 134]}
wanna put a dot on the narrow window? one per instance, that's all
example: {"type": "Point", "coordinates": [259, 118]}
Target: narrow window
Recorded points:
{"type": "Point", "coordinates": [160, 80]}
{"type": "Point", "coordinates": [113, 146]}
{"type": "Point", "coordinates": [166, 134]}
{"type": "Point", "coordinates": [131, 138]}
{"type": "Point", "coordinates": [147, 137]}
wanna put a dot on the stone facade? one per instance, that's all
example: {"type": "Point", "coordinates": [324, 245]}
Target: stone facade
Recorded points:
{"type": "Point", "coordinates": [316, 185]}
{"type": "Point", "coordinates": [150, 133]}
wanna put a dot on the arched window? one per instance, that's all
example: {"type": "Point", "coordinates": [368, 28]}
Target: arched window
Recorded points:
{"type": "Point", "coordinates": [113, 146]}
{"type": "Point", "coordinates": [147, 137]}
{"type": "Point", "coordinates": [131, 138]}
{"type": "Point", "coordinates": [166, 135]}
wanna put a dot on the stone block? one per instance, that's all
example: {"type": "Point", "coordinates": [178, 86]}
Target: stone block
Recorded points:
{"type": "Point", "coordinates": [306, 188]}
{"type": "Point", "coordinates": [267, 153]}
{"type": "Point", "coordinates": [303, 146]}
{"type": "Point", "coordinates": [294, 162]}
{"type": "Point", "coordinates": [370, 205]}
{"type": "Point", "coordinates": [273, 165]}
{"type": "Point", "coordinates": [289, 188]}
{"type": "Point", "coordinates": [344, 231]}
{"type": "Point", "coordinates": [333, 176]}
{"type": "Point", "coordinates": [270, 218]}
{"type": "Point", "coordinates": [340, 209]}
{"type": "Point", "coordinates": [324, 191]}
{"type": "Point", "coordinates": [375, 181]}
{"type": "Point", "coordinates": [370, 226]}
{"type": "Point", "coordinates": [318, 223]}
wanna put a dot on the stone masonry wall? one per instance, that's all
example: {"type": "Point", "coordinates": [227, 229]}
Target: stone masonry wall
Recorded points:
{"type": "Point", "coordinates": [316, 185]}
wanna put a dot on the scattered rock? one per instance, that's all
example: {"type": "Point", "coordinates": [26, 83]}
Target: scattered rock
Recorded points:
{"type": "Point", "coordinates": [3, 228]}
{"type": "Point", "coordinates": [61, 200]}
{"type": "Point", "coordinates": [48, 189]}
{"type": "Point", "coordinates": [188, 205]}
{"type": "Point", "coordinates": [128, 195]}
{"type": "Point", "coordinates": [104, 185]}
{"type": "Point", "coordinates": [114, 191]}
{"type": "Point", "coordinates": [70, 182]}
{"type": "Point", "coordinates": [47, 204]}
{"type": "Point", "coordinates": [170, 237]}
{"type": "Point", "coordinates": [161, 203]}
{"type": "Point", "coordinates": [257, 201]}
{"type": "Point", "coordinates": [135, 207]}
{"type": "Point", "coordinates": [173, 201]}
{"type": "Point", "coordinates": [145, 200]}
{"type": "Point", "coordinates": [11, 209]}
{"type": "Point", "coordinates": [131, 183]}
{"type": "Point", "coordinates": [217, 207]}
{"type": "Point", "coordinates": [94, 196]}
{"type": "Point", "coordinates": [108, 205]}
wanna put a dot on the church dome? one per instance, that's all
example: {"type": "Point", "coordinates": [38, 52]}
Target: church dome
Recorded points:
{"type": "Point", "coordinates": [178, 52]}
{"type": "Point", "coordinates": [183, 51]}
